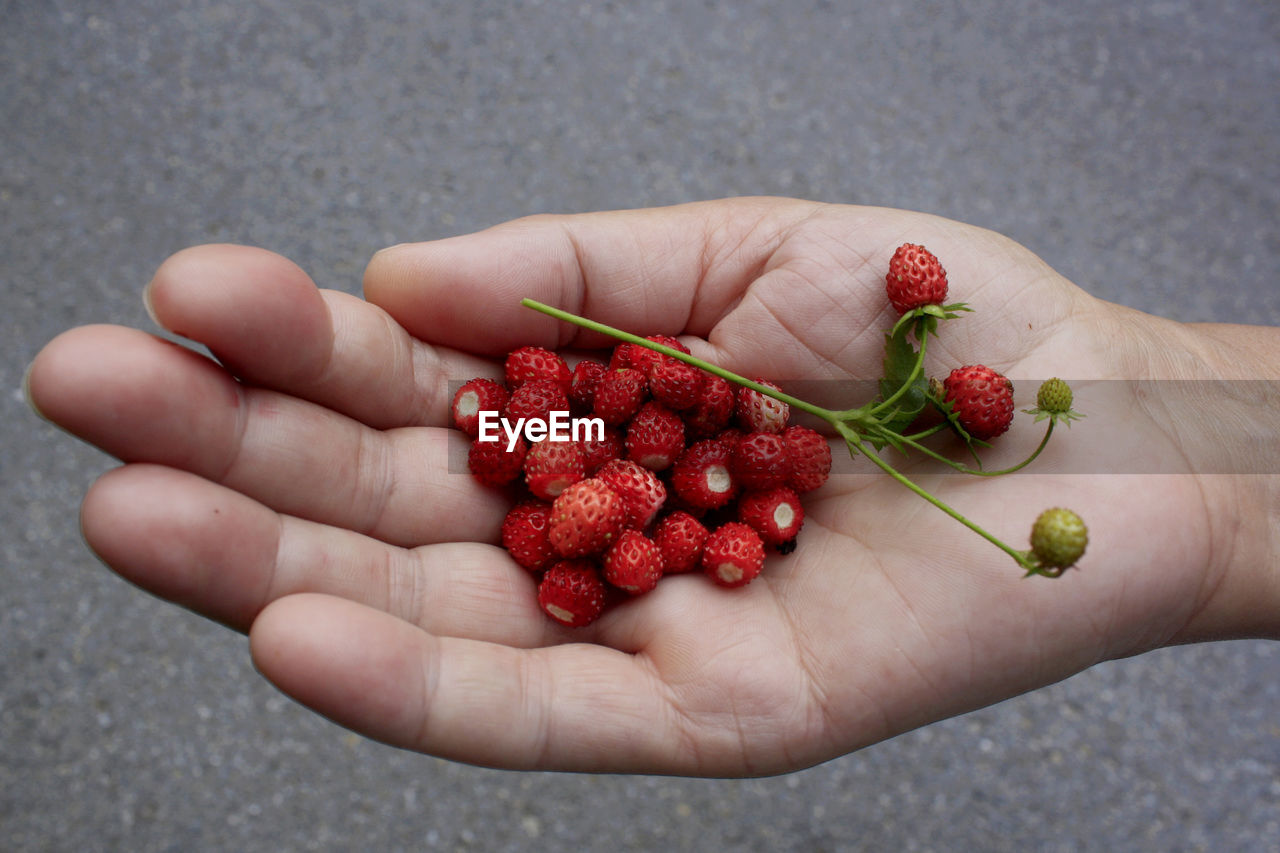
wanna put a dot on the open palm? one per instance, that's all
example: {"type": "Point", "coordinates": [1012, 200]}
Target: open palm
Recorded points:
{"type": "Point", "coordinates": [305, 487]}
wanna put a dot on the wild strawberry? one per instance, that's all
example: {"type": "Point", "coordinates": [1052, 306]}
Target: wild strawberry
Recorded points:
{"type": "Point", "coordinates": [733, 554]}
{"type": "Point", "coordinates": [667, 340]}
{"type": "Point", "coordinates": [550, 466]}
{"type": "Point", "coordinates": [1058, 538]}
{"type": "Point", "coordinates": [981, 399]}
{"type": "Point", "coordinates": [585, 519]}
{"type": "Point", "coordinates": [582, 384]}
{"type": "Point", "coordinates": [621, 356]}
{"type": "Point", "coordinates": [776, 514]}
{"type": "Point", "coordinates": [572, 593]}
{"type": "Point", "coordinates": [474, 397]}
{"type": "Point", "coordinates": [655, 437]}
{"type": "Point", "coordinates": [680, 537]}
{"type": "Point", "coordinates": [761, 460]}
{"type": "Point", "coordinates": [599, 451]}
{"type": "Point", "coordinates": [524, 535]}
{"type": "Point", "coordinates": [713, 409]}
{"type": "Point", "coordinates": [729, 437]}
{"type": "Point", "coordinates": [619, 395]}
{"type": "Point", "coordinates": [1054, 396]}
{"type": "Point", "coordinates": [1053, 402]}
{"type": "Point", "coordinates": [915, 279]}
{"type": "Point", "coordinates": [810, 458]}
{"type": "Point", "coordinates": [673, 383]}
{"type": "Point", "coordinates": [758, 413]}
{"type": "Point", "coordinates": [536, 399]}
{"type": "Point", "coordinates": [638, 357]}
{"type": "Point", "coordinates": [701, 475]}
{"type": "Point", "coordinates": [641, 491]}
{"type": "Point", "coordinates": [493, 465]}
{"type": "Point", "coordinates": [633, 563]}
{"type": "Point", "coordinates": [529, 363]}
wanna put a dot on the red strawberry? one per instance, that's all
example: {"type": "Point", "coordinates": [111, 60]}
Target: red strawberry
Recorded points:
{"type": "Point", "coordinates": [619, 395]}
{"type": "Point", "coordinates": [668, 341]}
{"type": "Point", "coordinates": [550, 466]}
{"type": "Point", "coordinates": [733, 554]}
{"type": "Point", "coordinates": [585, 519]}
{"type": "Point", "coordinates": [492, 464]}
{"type": "Point", "coordinates": [474, 397]}
{"type": "Point", "coordinates": [775, 514]}
{"type": "Point", "coordinates": [915, 279]}
{"type": "Point", "coordinates": [729, 437]}
{"type": "Point", "coordinates": [641, 491]}
{"type": "Point", "coordinates": [524, 535]}
{"type": "Point", "coordinates": [529, 363]}
{"type": "Point", "coordinates": [673, 383]}
{"type": "Point", "coordinates": [621, 356]}
{"type": "Point", "coordinates": [598, 451]}
{"type": "Point", "coordinates": [633, 563]}
{"type": "Point", "coordinates": [761, 461]}
{"type": "Point", "coordinates": [701, 475]}
{"type": "Point", "coordinates": [634, 355]}
{"type": "Point", "coordinates": [572, 593]}
{"type": "Point", "coordinates": [810, 458]}
{"type": "Point", "coordinates": [537, 398]}
{"type": "Point", "coordinates": [680, 537]}
{"type": "Point", "coordinates": [713, 408]}
{"type": "Point", "coordinates": [655, 437]}
{"type": "Point", "coordinates": [582, 384]}
{"type": "Point", "coordinates": [981, 399]}
{"type": "Point", "coordinates": [758, 413]}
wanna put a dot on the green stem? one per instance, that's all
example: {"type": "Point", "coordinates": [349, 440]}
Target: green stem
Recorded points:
{"type": "Point", "coordinates": [925, 433]}
{"type": "Point", "coordinates": [853, 440]}
{"type": "Point", "coordinates": [965, 469]}
{"type": "Point", "coordinates": [840, 420]}
{"type": "Point", "coordinates": [794, 402]}
{"type": "Point", "coordinates": [911, 378]}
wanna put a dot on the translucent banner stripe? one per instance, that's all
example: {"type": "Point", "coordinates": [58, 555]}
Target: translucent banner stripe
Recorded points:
{"type": "Point", "coordinates": [1131, 426]}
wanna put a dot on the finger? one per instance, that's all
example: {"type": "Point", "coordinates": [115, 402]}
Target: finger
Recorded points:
{"type": "Point", "coordinates": [226, 556]}
{"type": "Point", "coordinates": [264, 319]}
{"type": "Point", "coordinates": [576, 706]}
{"type": "Point", "coordinates": [664, 271]}
{"type": "Point", "coordinates": [146, 400]}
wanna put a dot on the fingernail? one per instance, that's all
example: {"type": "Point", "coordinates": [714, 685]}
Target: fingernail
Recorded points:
{"type": "Point", "coordinates": [26, 391]}
{"type": "Point", "coordinates": [147, 303]}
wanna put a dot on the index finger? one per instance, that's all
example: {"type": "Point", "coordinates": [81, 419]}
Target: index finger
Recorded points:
{"type": "Point", "coordinates": [663, 270]}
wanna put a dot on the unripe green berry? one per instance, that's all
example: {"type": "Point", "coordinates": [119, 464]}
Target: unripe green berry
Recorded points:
{"type": "Point", "coordinates": [1058, 538]}
{"type": "Point", "coordinates": [1054, 397]}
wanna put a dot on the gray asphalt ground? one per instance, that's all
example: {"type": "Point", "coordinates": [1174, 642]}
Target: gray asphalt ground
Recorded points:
{"type": "Point", "coordinates": [1133, 146]}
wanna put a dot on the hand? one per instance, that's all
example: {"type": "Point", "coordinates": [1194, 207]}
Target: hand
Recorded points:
{"type": "Point", "coordinates": [300, 488]}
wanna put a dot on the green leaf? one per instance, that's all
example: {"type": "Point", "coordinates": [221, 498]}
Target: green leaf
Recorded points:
{"type": "Point", "coordinates": [900, 358]}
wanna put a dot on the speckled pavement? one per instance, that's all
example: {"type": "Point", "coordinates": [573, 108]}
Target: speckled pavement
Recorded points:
{"type": "Point", "coordinates": [1134, 147]}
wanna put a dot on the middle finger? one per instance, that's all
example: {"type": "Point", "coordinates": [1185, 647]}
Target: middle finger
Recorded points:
{"type": "Point", "coordinates": [142, 399]}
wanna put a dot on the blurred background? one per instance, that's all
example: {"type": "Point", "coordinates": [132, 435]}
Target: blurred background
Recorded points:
{"type": "Point", "coordinates": [1133, 146]}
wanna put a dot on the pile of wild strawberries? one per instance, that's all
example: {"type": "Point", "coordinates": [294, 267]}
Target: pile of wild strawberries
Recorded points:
{"type": "Point", "coordinates": [691, 473]}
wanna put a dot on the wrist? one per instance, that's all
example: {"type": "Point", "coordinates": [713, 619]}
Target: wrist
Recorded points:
{"type": "Point", "coordinates": [1240, 597]}
{"type": "Point", "coordinates": [1221, 412]}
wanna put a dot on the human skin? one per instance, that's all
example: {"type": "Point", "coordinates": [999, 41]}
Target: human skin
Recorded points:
{"type": "Point", "coordinates": [299, 488]}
